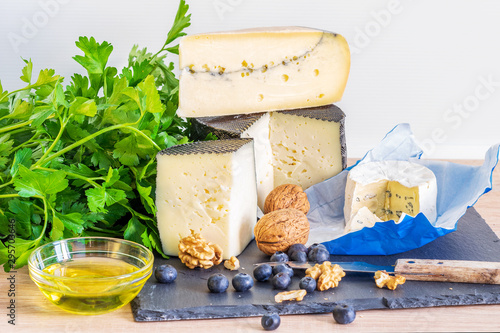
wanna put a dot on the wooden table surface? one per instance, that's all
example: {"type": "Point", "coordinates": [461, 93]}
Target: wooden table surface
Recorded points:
{"type": "Point", "coordinates": [34, 313]}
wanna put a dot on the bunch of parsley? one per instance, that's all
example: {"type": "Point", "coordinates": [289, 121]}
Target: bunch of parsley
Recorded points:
{"type": "Point", "coordinates": [80, 160]}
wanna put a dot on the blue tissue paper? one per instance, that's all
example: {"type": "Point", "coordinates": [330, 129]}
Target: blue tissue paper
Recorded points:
{"type": "Point", "coordinates": [459, 187]}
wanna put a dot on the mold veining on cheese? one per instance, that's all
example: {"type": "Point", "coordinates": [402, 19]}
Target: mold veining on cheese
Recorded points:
{"type": "Point", "coordinates": [386, 190]}
{"type": "Point", "coordinates": [276, 63]}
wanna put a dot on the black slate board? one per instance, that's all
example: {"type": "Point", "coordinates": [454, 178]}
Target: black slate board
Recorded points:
{"type": "Point", "coordinates": [188, 296]}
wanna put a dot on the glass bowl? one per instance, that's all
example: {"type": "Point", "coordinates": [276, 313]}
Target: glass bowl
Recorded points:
{"type": "Point", "coordinates": [90, 275]}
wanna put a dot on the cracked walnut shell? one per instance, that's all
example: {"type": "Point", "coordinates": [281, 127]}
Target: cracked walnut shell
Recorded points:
{"type": "Point", "coordinates": [286, 196]}
{"type": "Point", "coordinates": [328, 276]}
{"type": "Point", "coordinates": [382, 279]}
{"type": "Point", "coordinates": [195, 251]}
{"type": "Point", "coordinates": [280, 229]}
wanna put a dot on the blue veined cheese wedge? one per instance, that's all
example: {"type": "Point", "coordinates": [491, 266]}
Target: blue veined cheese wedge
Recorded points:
{"type": "Point", "coordinates": [207, 187]}
{"type": "Point", "coordinates": [363, 218]}
{"type": "Point", "coordinates": [389, 189]}
{"type": "Point", "coordinates": [302, 147]}
{"type": "Point", "coordinates": [265, 69]}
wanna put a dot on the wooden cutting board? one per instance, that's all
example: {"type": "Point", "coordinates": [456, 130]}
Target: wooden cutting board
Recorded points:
{"type": "Point", "coordinates": [188, 297]}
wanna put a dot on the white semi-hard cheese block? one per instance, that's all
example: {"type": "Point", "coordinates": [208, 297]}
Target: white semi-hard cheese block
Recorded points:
{"type": "Point", "coordinates": [302, 147]}
{"type": "Point", "coordinates": [247, 71]}
{"type": "Point", "coordinates": [390, 189]}
{"type": "Point", "coordinates": [207, 187]}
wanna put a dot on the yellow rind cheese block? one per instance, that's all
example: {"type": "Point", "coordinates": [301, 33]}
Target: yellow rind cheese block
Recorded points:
{"type": "Point", "coordinates": [266, 69]}
{"type": "Point", "coordinates": [302, 147]}
{"type": "Point", "coordinates": [207, 187]}
{"type": "Point", "coordinates": [388, 190]}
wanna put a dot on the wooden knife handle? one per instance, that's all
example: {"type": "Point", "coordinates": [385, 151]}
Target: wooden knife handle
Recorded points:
{"type": "Point", "coordinates": [449, 270]}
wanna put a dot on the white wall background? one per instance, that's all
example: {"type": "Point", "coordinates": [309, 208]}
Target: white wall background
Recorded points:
{"type": "Point", "coordinates": [432, 63]}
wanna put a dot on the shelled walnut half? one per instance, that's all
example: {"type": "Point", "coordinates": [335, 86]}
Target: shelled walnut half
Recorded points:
{"type": "Point", "coordinates": [382, 279]}
{"type": "Point", "coordinates": [195, 251]}
{"type": "Point", "coordinates": [232, 263]}
{"type": "Point", "coordinates": [328, 276]}
{"type": "Point", "coordinates": [293, 295]}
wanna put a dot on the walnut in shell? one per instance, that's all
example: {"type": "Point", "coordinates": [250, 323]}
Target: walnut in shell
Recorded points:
{"type": "Point", "coordinates": [286, 196]}
{"type": "Point", "coordinates": [280, 229]}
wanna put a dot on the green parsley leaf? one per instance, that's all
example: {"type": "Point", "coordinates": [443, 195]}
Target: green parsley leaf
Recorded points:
{"type": "Point", "coordinates": [96, 55]}
{"type": "Point", "coordinates": [100, 197]}
{"type": "Point", "coordinates": [84, 106]}
{"type": "Point", "coordinates": [22, 215]}
{"type": "Point", "coordinates": [131, 148]}
{"type": "Point", "coordinates": [22, 111]}
{"type": "Point", "coordinates": [134, 230]}
{"type": "Point", "coordinates": [79, 160]}
{"type": "Point", "coordinates": [27, 71]}
{"type": "Point", "coordinates": [148, 89]}
{"type": "Point", "coordinates": [31, 183]}
{"type": "Point", "coordinates": [181, 22]}
{"type": "Point", "coordinates": [22, 157]}
{"type": "Point", "coordinates": [72, 221]}
{"type": "Point", "coordinates": [57, 230]}
{"type": "Point", "coordinates": [146, 199]}
{"type": "Point", "coordinates": [46, 77]}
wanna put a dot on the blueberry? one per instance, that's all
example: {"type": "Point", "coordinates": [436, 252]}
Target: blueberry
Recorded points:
{"type": "Point", "coordinates": [281, 281]}
{"type": "Point", "coordinates": [165, 273]}
{"type": "Point", "coordinates": [318, 254]}
{"type": "Point", "coordinates": [285, 268]}
{"type": "Point", "coordinates": [263, 272]}
{"type": "Point", "coordinates": [279, 257]}
{"type": "Point", "coordinates": [242, 282]}
{"type": "Point", "coordinates": [344, 314]}
{"type": "Point", "coordinates": [271, 321]}
{"type": "Point", "coordinates": [315, 245]}
{"type": "Point", "coordinates": [307, 283]}
{"type": "Point", "coordinates": [298, 256]}
{"type": "Point", "coordinates": [217, 283]}
{"type": "Point", "coordinates": [296, 248]}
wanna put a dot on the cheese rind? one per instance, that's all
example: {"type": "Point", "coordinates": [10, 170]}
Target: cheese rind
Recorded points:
{"type": "Point", "coordinates": [267, 69]}
{"type": "Point", "coordinates": [207, 187]}
{"type": "Point", "coordinates": [301, 147]}
{"type": "Point", "coordinates": [390, 189]}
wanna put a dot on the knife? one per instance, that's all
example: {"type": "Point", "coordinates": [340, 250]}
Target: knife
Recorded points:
{"type": "Point", "coordinates": [423, 269]}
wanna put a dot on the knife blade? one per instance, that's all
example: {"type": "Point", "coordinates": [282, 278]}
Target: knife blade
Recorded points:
{"type": "Point", "coordinates": [424, 269]}
{"type": "Point", "coordinates": [353, 266]}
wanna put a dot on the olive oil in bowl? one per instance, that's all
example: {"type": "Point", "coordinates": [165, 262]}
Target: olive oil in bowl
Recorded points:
{"type": "Point", "coordinates": [91, 282]}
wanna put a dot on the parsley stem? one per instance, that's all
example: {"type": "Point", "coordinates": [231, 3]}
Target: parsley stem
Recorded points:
{"type": "Point", "coordinates": [74, 175]}
{"type": "Point", "coordinates": [143, 135]}
{"type": "Point", "coordinates": [7, 184]}
{"type": "Point", "coordinates": [28, 143]}
{"type": "Point", "coordinates": [56, 140]}
{"type": "Point", "coordinates": [13, 195]}
{"type": "Point", "coordinates": [46, 217]}
{"type": "Point", "coordinates": [85, 139]}
{"type": "Point", "coordinates": [14, 92]}
{"type": "Point", "coordinates": [107, 231]}
{"type": "Point", "coordinates": [15, 126]}
{"type": "Point", "coordinates": [90, 137]}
